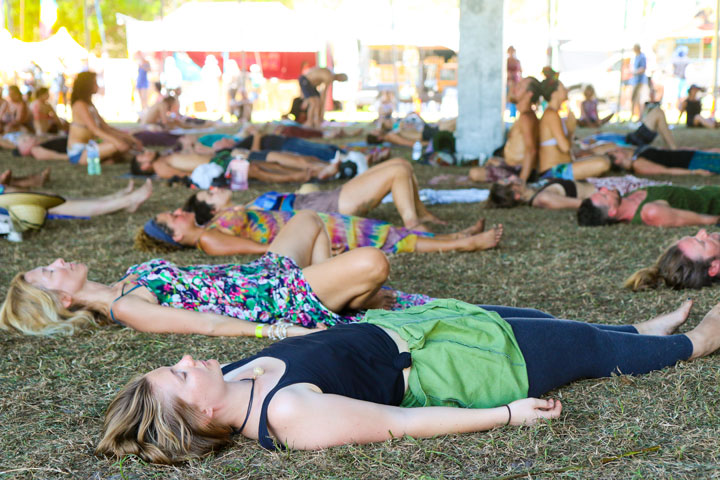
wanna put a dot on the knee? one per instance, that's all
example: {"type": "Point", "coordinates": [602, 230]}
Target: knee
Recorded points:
{"type": "Point", "coordinates": [310, 217]}
{"type": "Point", "coordinates": [372, 264]}
{"type": "Point", "coordinates": [477, 174]}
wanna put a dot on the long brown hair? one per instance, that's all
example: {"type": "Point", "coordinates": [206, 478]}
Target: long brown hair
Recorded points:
{"type": "Point", "coordinates": [673, 269]}
{"type": "Point", "coordinates": [137, 422]}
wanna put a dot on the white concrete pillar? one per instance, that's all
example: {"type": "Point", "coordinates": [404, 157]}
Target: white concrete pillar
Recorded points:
{"type": "Point", "coordinates": [481, 61]}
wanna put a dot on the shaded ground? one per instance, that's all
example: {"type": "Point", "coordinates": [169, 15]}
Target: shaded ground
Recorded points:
{"type": "Point", "coordinates": [53, 391]}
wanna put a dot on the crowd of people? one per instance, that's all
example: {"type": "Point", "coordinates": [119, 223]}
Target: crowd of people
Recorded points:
{"type": "Point", "coordinates": [358, 350]}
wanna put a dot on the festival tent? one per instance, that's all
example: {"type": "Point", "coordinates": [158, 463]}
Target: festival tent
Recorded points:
{"type": "Point", "coordinates": [268, 33]}
{"type": "Point", "coordinates": [60, 52]}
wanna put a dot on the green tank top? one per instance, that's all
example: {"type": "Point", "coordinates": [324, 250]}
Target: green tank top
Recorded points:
{"type": "Point", "coordinates": [462, 355]}
{"type": "Point", "coordinates": [705, 200]}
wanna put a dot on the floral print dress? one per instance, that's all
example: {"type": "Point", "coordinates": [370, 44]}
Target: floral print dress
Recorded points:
{"type": "Point", "coordinates": [270, 289]}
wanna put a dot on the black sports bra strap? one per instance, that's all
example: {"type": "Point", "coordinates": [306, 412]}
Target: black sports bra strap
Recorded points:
{"type": "Point", "coordinates": [122, 294]}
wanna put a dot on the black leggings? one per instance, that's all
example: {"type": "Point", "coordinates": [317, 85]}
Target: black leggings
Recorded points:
{"type": "Point", "coordinates": [558, 352]}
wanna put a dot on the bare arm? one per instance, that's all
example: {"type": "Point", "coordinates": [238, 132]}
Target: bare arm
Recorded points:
{"type": "Point", "coordinates": [642, 166]}
{"type": "Point", "coordinates": [215, 242]}
{"type": "Point", "coordinates": [660, 214]}
{"type": "Point", "coordinates": [164, 170]}
{"type": "Point", "coordinates": [554, 201]}
{"type": "Point", "coordinates": [81, 114]}
{"type": "Point", "coordinates": [305, 419]}
{"type": "Point", "coordinates": [530, 141]}
{"type": "Point", "coordinates": [144, 316]}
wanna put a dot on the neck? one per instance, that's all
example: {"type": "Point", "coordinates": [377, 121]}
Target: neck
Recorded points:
{"type": "Point", "coordinates": [555, 104]}
{"type": "Point", "coordinates": [524, 105]}
{"type": "Point", "coordinates": [527, 194]}
{"type": "Point", "coordinates": [234, 407]}
{"type": "Point", "coordinates": [192, 237]}
{"type": "Point", "coordinates": [96, 296]}
{"type": "Point", "coordinates": [627, 208]}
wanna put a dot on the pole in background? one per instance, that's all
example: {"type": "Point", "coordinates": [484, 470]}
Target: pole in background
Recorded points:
{"type": "Point", "coordinates": [715, 57]}
{"type": "Point", "coordinates": [22, 20]}
{"type": "Point", "coordinates": [101, 24]}
{"type": "Point", "coordinates": [87, 32]}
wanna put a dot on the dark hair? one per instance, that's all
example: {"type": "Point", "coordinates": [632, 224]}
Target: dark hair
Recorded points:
{"type": "Point", "coordinates": [503, 196]}
{"type": "Point", "coordinates": [83, 87]}
{"type": "Point", "coordinates": [15, 89]}
{"type": "Point", "coordinates": [535, 87]}
{"type": "Point", "coordinates": [548, 86]}
{"type": "Point", "coordinates": [40, 92]}
{"type": "Point", "coordinates": [136, 169]}
{"type": "Point", "coordinates": [169, 100]}
{"type": "Point", "coordinates": [203, 211]}
{"type": "Point", "coordinates": [590, 215]}
{"type": "Point", "coordinates": [675, 270]}
{"type": "Point", "coordinates": [373, 139]}
{"type": "Point", "coordinates": [297, 111]}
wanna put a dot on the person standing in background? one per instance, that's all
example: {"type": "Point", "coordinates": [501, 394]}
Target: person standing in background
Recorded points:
{"type": "Point", "coordinates": [142, 84]}
{"type": "Point", "coordinates": [514, 74]}
{"type": "Point", "coordinates": [639, 81]}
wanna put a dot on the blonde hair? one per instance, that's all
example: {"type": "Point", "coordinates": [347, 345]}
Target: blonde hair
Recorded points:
{"type": "Point", "coordinates": [138, 423]}
{"type": "Point", "coordinates": [673, 269]}
{"type": "Point", "coordinates": [36, 311]}
{"type": "Point", "coordinates": [146, 243]}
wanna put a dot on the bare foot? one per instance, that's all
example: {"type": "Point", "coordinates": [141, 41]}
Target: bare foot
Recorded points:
{"type": "Point", "coordinates": [5, 177]}
{"type": "Point", "coordinates": [125, 191]}
{"type": "Point", "coordinates": [666, 324]}
{"type": "Point", "coordinates": [479, 227]}
{"type": "Point", "coordinates": [705, 337]}
{"type": "Point", "coordinates": [44, 176]}
{"type": "Point", "coordinates": [483, 241]}
{"type": "Point", "coordinates": [384, 299]}
{"type": "Point", "coordinates": [329, 171]}
{"type": "Point", "coordinates": [429, 217]}
{"type": "Point", "coordinates": [138, 197]}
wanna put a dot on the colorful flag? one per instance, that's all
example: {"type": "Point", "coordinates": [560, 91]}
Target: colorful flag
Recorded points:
{"type": "Point", "coordinates": [48, 17]}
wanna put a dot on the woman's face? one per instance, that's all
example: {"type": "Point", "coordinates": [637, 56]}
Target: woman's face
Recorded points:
{"type": "Point", "coordinates": [179, 221]}
{"type": "Point", "coordinates": [561, 92]}
{"type": "Point", "coordinates": [59, 276]}
{"type": "Point", "coordinates": [701, 246]}
{"type": "Point", "coordinates": [215, 197]}
{"type": "Point", "coordinates": [198, 383]}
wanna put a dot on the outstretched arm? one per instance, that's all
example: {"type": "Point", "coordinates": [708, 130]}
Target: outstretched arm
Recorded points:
{"type": "Point", "coordinates": [215, 242]}
{"type": "Point", "coordinates": [139, 314]}
{"type": "Point", "coordinates": [642, 166]}
{"type": "Point", "coordinates": [306, 420]}
{"type": "Point", "coordinates": [660, 214]}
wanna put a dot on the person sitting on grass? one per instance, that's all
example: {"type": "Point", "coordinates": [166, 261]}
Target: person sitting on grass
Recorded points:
{"type": "Point", "coordinates": [160, 115]}
{"type": "Point", "coordinates": [693, 110]}
{"type": "Point", "coordinates": [347, 385]}
{"type": "Point", "coordinates": [691, 262]}
{"type": "Point", "coordinates": [557, 193]}
{"type": "Point", "coordinates": [240, 231]}
{"type": "Point", "coordinates": [181, 164]}
{"type": "Point", "coordinates": [88, 126]}
{"type": "Point", "coordinates": [555, 159]}
{"type": "Point", "coordinates": [357, 197]}
{"type": "Point", "coordinates": [589, 117]}
{"type": "Point", "coordinates": [521, 148]}
{"type": "Point", "coordinates": [16, 116]}
{"type": "Point", "coordinates": [658, 206]}
{"type": "Point", "coordinates": [45, 120]}
{"type": "Point", "coordinates": [653, 123]}
{"type": "Point", "coordinates": [296, 281]}
{"type": "Point", "coordinates": [659, 161]}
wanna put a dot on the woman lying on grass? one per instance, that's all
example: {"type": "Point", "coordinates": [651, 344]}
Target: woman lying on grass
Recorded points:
{"type": "Point", "coordinates": [344, 385]}
{"type": "Point", "coordinates": [240, 231]}
{"type": "Point", "coordinates": [295, 281]}
{"type": "Point", "coordinates": [357, 196]}
{"type": "Point", "coordinates": [691, 262]}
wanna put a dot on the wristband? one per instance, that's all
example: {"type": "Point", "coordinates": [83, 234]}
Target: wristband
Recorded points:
{"type": "Point", "coordinates": [509, 414]}
{"type": "Point", "coordinates": [259, 331]}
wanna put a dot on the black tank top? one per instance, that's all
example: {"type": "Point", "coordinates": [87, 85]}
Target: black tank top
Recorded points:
{"type": "Point", "coordinates": [667, 158]}
{"type": "Point", "coordinates": [692, 108]}
{"type": "Point", "coordinates": [641, 137]}
{"type": "Point", "coordinates": [359, 361]}
{"type": "Point", "coordinates": [568, 185]}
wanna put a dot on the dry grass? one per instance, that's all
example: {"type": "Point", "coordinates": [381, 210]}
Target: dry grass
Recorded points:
{"type": "Point", "coordinates": [664, 425]}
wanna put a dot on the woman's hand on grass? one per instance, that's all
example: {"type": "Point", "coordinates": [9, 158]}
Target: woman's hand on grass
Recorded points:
{"type": "Point", "coordinates": [529, 410]}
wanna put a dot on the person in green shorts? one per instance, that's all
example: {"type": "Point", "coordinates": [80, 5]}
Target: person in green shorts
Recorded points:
{"type": "Point", "coordinates": [440, 368]}
{"type": "Point", "coordinates": [657, 206]}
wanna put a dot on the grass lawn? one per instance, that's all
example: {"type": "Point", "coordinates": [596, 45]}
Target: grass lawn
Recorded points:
{"type": "Point", "coordinates": [53, 392]}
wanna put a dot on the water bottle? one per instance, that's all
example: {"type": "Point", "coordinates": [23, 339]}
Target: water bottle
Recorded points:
{"type": "Point", "coordinates": [93, 159]}
{"type": "Point", "coordinates": [417, 151]}
{"type": "Point", "coordinates": [238, 168]}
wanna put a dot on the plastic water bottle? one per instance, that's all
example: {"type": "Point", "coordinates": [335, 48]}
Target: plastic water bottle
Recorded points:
{"type": "Point", "coordinates": [93, 159]}
{"type": "Point", "coordinates": [238, 168]}
{"type": "Point", "coordinates": [417, 151]}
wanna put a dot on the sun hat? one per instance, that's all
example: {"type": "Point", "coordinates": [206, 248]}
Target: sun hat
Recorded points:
{"type": "Point", "coordinates": [27, 209]}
